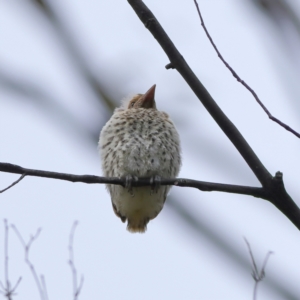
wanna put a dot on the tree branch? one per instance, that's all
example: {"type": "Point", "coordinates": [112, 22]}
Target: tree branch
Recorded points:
{"type": "Point", "coordinates": [272, 186]}
{"type": "Point", "coordinates": [178, 62]}
{"type": "Point", "coordinates": [76, 288]}
{"type": "Point", "coordinates": [40, 282]}
{"type": "Point", "coordinates": [91, 179]}
{"type": "Point", "coordinates": [6, 288]}
{"type": "Point", "coordinates": [241, 81]}
{"type": "Point", "coordinates": [258, 276]}
{"type": "Point", "coordinates": [273, 192]}
{"type": "Point", "coordinates": [14, 183]}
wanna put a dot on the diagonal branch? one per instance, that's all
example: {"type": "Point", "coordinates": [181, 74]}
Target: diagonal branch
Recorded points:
{"type": "Point", "coordinates": [178, 62]}
{"type": "Point", "coordinates": [273, 186]}
{"type": "Point", "coordinates": [14, 183]}
{"type": "Point", "coordinates": [241, 81]}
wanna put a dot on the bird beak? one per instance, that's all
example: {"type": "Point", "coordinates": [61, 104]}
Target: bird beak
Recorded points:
{"type": "Point", "coordinates": [147, 100]}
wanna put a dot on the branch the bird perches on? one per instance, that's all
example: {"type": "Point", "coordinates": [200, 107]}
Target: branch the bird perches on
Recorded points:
{"type": "Point", "coordinates": [274, 192]}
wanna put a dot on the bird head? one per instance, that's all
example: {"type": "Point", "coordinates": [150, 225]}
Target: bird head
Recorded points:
{"type": "Point", "coordinates": [143, 100]}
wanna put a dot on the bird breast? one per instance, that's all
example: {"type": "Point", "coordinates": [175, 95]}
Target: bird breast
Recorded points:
{"type": "Point", "coordinates": [140, 142]}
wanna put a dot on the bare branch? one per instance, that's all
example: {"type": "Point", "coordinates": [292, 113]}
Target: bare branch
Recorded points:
{"type": "Point", "coordinates": [14, 183]}
{"type": "Point", "coordinates": [200, 230]}
{"type": "Point", "coordinates": [257, 276]}
{"type": "Point", "coordinates": [6, 289]}
{"type": "Point", "coordinates": [39, 282]}
{"type": "Point", "coordinates": [76, 288]}
{"type": "Point", "coordinates": [273, 192]}
{"type": "Point", "coordinates": [241, 81]}
{"type": "Point", "coordinates": [44, 287]}
{"type": "Point", "coordinates": [273, 186]}
{"type": "Point", "coordinates": [178, 62]}
{"type": "Point", "coordinates": [181, 182]}
{"type": "Point", "coordinates": [6, 254]}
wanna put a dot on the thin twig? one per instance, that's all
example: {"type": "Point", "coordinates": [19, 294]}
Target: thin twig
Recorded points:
{"type": "Point", "coordinates": [39, 282]}
{"type": "Point", "coordinates": [257, 276]}
{"type": "Point", "coordinates": [14, 183]}
{"type": "Point", "coordinates": [6, 289]}
{"type": "Point", "coordinates": [238, 78]}
{"type": "Point", "coordinates": [44, 287]}
{"type": "Point", "coordinates": [6, 255]}
{"type": "Point", "coordinates": [76, 288]}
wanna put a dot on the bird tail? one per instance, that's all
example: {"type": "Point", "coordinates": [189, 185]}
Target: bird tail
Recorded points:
{"type": "Point", "coordinates": [137, 225]}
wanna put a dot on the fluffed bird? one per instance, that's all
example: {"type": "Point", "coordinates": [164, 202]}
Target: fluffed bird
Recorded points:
{"type": "Point", "coordinates": [139, 141]}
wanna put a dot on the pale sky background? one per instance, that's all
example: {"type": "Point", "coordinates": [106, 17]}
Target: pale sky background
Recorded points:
{"type": "Point", "coordinates": [50, 117]}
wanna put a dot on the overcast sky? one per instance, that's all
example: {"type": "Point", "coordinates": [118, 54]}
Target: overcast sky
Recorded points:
{"type": "Point", "coordinates": [51, 115]}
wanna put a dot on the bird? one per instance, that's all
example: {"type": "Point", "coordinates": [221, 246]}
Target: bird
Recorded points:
{"type": "Point", "coordinates": [139, 141]}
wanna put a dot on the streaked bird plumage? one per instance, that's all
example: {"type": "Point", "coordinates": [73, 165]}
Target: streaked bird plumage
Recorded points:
{"type": "Point", "coordinates": [139, 141]}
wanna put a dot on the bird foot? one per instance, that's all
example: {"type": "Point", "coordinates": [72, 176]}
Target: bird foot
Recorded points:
{"type": "Point", "coordinates": [129, 179]}
{"type": "Point", "coordinates": [155, 184]}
